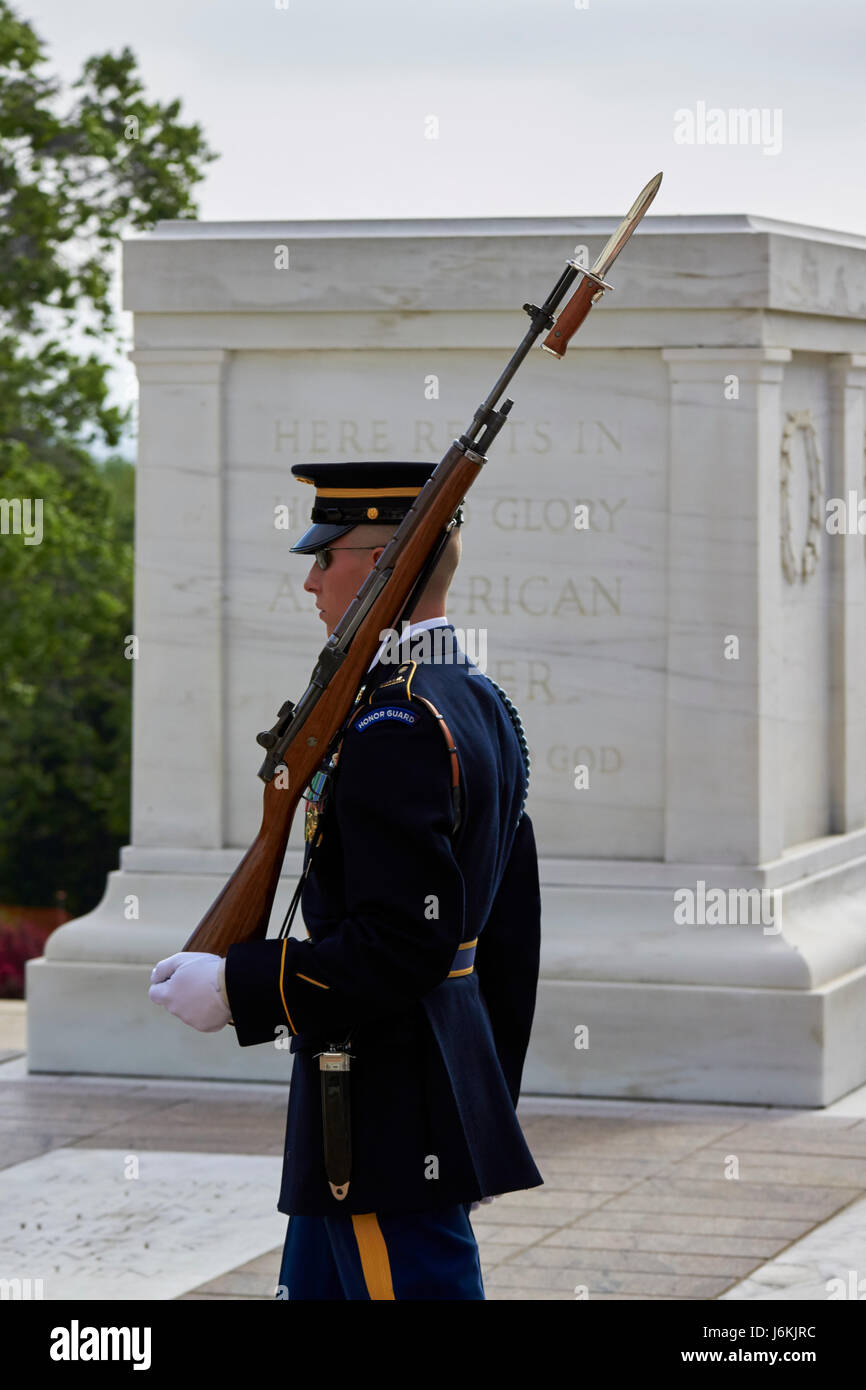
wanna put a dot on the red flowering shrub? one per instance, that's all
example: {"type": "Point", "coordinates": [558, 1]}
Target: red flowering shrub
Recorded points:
{"type": "Point", "coordinates": [23, 934]}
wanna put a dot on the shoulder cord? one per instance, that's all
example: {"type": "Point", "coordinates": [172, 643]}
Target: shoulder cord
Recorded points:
{"type": "Point", "coordinates": [514, 716]}
{"type": "Point", "coordinates": [456, 797]}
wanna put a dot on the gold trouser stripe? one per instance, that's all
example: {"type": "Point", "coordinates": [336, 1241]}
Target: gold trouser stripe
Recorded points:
{"type": "Point", "coordinates": [311, 982]}
{"type": "Point", "coordinates": [374, 1256]}
{"type": "Point", "coordinates": [282, 995]}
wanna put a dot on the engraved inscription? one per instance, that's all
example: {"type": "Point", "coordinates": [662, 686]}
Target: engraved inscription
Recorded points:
{"type": "Point", "coordinates": [554, 513]}
{"type": "Point", "coordinates": [539, 595]}
{"type": "Point", "coordinates": [337, 438]}
{"type": "Point", "coordinates": [290, 591]}
{"type": "Point", "coordinates": [332, 438]}
{"type": "Point", "coordinates": [525, 679]}
{"type": "Point", "coordinates": [605, 758]}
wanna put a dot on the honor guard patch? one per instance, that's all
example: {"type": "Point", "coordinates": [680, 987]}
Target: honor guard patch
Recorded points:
{"type": "Point", "coordinates": [381, 712]}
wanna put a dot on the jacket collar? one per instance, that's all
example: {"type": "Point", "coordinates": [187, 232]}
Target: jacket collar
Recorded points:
{"type": "Point", "coordinates": [444, 642]}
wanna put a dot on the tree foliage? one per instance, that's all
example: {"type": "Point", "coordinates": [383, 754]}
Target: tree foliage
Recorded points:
{"type": "Point", "coordinates": [78, 170]}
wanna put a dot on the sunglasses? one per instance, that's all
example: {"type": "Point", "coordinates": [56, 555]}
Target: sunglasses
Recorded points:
{"type": "Point", "coordinates": [323, 557]}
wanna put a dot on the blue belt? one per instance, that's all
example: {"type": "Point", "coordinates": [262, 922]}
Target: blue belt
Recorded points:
{"type": "Point", "coordinates": [464, 961]}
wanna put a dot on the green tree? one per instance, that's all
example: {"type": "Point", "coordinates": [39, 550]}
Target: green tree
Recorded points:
{"type": "Point", "coordinates": [78, 170]}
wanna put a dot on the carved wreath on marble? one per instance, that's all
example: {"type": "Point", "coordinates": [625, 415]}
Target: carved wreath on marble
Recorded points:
{"type": "Point", "coordinates": [801, 421]}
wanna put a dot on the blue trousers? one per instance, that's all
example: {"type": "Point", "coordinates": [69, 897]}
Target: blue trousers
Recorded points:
{"type": "Point", "coordinates": [414, 1255]}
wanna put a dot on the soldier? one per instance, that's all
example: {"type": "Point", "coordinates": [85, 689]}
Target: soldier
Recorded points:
{"type": "Point", "coordinates": [419, 972]}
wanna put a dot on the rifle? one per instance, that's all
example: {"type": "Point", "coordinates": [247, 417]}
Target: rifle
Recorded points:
{"type": "Point", "coordinates": [304, 735]}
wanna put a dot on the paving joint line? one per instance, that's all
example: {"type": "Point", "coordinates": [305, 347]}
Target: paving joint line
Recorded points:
{"type": "Point", "coordinates": [575, 1224]}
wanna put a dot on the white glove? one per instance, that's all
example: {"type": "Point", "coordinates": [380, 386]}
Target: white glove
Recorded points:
{"type": "Point", "coordinates": [485, 1200]}
{"type": "Point", "coordinates": [187, 984]}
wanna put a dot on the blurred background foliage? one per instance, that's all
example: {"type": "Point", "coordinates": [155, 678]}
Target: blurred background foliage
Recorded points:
{"type": "Point", "coordinates": [79, 168]}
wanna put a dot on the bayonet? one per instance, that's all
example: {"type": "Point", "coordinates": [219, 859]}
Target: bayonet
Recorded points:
{"type": "Point", "coordinates": [593, 285]}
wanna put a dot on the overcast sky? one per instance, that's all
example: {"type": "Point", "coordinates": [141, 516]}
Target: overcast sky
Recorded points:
{"type": "Point", "coordinates": [321, 109]}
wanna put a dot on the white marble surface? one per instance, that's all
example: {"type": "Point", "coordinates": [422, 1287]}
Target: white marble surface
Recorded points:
{"type": "Point", "coordinates": [74, 1220]}
{"type": "Point", "coordinates": [693, 261]}
{"type": "Point", "coordinates": [827, 1265]}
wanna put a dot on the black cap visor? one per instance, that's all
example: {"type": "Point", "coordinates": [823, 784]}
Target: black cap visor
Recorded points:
{"type": "Point", "coordinates": [318, 536]}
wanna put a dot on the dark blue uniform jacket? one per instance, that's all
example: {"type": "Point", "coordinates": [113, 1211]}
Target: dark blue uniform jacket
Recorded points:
{"type": "Point", "coordinates": [389, 900]}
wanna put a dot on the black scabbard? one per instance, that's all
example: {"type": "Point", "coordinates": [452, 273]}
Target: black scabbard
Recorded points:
{"type": "Point", "coordinates": [336, 1120]}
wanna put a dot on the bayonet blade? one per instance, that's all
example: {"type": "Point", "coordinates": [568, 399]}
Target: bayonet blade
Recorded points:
{"type": "Point", "coordinates": [626, 227]}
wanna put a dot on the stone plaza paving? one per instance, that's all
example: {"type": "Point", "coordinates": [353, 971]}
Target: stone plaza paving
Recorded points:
{"type": "Point", "coordinates": [115, 1188]}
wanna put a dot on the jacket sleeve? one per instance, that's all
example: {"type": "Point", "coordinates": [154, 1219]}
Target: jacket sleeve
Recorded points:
{"type": "Point", "coordinates": [404, 894]}
{"type": "Point", "coordinates": [508, 953]}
